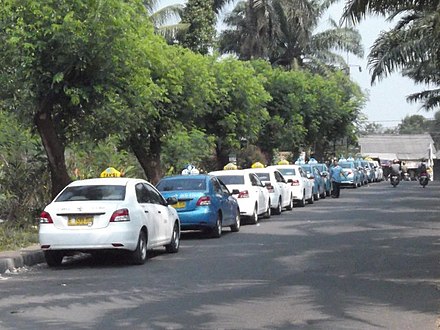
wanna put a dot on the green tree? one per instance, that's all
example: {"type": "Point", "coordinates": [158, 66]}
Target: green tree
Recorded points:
{"type": "Point", "coordinates": [415, 124]}
{"type": "Point", "coordinates": [283, 32]}
{"type": "Point", "coordinates": [240, 110]}
{"type": "Point", "coordinates": [200, 16]}
{"type": "Point", "coordinates": [67, 65]}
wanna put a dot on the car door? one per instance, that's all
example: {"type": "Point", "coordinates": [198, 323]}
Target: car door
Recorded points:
{"type": "Point", "coordinates": [222, 195]}
{"type": "Point", "coordinates": [284, 188]}
{"type": "Point", "coordinates": [163, 217]}
{"type": "Point", "coordinates": [150, 214]}
{"type": "Point", "coordinates": [258, 187]}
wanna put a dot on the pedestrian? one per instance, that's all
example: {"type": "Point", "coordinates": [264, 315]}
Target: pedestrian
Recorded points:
{"type": "Point", "coordinates": [336, 174]}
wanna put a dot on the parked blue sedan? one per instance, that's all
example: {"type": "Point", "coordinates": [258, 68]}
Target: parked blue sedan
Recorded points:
{"type": "Point", "coordinates": [318, 181]}
{"type": "Point", "coordinates": [204, 203]}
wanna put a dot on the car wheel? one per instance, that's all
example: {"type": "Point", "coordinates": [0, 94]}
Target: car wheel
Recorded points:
{"type": "Point", "coordinates": [173, 247]}
{"type": "Point", "coordinates": [316, 196]}
{"type": "Point", "coordinates": [322, 196]}
{"type": "Point", "coordinates": [327, 193]}
{"type": "Point", "coordinates": [53, 258]}
{"type": "Point", "coordinates": [236, 226]}
{"type": "Point", "coordinates": [217, 230]}
{"type": "Point", "coordinates": [268, 213]}
{"type": "Point", "coordinates": [139, 256]}
{"type": "Point", "coordinates": [254, 216]}
{"type": "Point", "coordinates": [290, 206]}
{"type": "Point", "coordinates": [310, 200]}
{"type": "Point", "coordinates": [278, 209]}
{"type": "Point", "coordinates": [302, 202]}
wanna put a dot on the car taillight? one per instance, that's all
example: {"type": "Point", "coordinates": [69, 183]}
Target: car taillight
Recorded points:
{"type": "Point", "coordinates": [295, 183]}
{"type": "Point", "coordinates": [349, 172]}
{"type": "Point", "coordinates": [243, 194]}
{"type": "Point", "coordinates": [120, 216]}
{"type": "Point", "coordinates": [45, 217]}
{"type": "Point", "coordinates": [203, 201]}
{"type": "Point", "coordinates": [270, 188]}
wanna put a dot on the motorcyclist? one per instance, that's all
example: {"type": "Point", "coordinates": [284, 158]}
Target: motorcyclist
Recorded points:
{"type": "Point", "coordinates": [423, 168]}
{"type": "Point", "coordinates": [404, 171]}
{"type": "Point", "coordinates": [395, 168]}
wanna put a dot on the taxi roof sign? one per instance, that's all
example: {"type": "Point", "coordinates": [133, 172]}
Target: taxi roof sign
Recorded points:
{"type": "Point", "coordinates": [110, 172]}
{"type": "Point", "coordinates": [230, 166]}
{"type": "Point", "coordinates": [283, 162]}
{"type": "Point", "coordinates": [257, 165]}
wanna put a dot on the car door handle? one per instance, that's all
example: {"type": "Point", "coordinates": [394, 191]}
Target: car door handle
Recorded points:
{"type": "Point", "coordinates": [159, 211]}
{"type": "Point", "coordinates": [146, 211]}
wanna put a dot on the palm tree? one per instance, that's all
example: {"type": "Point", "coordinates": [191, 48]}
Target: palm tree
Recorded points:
{"type": "Point", "coordinates": [281, 31]}
{"type": "Point", "coordinates": [161, 17]}
{"type": "Point", "coordinates": [411, 46]}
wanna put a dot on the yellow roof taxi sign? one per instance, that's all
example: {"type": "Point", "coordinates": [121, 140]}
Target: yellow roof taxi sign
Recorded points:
{"type": "Point", "coordinates": [110, 172]}
{"type": "Point", "coordinates": [230, 166]}
{"type": "Point", "coordinates": [257, 165]}
{"type": "Point", "coordinates": [283, 162]}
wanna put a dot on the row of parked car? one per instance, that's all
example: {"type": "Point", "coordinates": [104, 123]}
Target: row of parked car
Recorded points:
{"type": "Point", "coordinates": [132, 216]}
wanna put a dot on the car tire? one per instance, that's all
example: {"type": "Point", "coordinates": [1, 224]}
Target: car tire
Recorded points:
{"type": "Point", "coordinates": [278, 209]}
{"type": "Point", "coordinates": [322, 196]}
{"type": "Point", "coordinates": [254, 217]}
{"type": "Point", "coordinates": [139, 256]}
{"type": "Point", "coordinates": [290, 206]}
{"type": "Point", "coordinates": [302, 202]}
{"type": "Point", "coordinates": [316, 197]}
{"type": "Point", "coordinates": [174, 245]}
{"type": "Point", "coordinates": [236, 226]}
{"type": "Point", "coordinates": [327, 193]}
{"type": "Point", "coordinates": [268, 212]}
{"type": "Point", "coordinates": [53, 258]}
{"type": "Point", "coordinates": [310, 200]}
{"type": "Point", "coordinates": [216, 231]}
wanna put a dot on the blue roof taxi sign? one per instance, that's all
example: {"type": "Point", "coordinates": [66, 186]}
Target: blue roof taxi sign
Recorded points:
{"type": "Point", "coordinates": [190, 170]}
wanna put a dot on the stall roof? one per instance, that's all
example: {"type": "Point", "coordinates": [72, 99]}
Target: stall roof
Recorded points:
{"type": "Point", "coordinates": [403, 147]}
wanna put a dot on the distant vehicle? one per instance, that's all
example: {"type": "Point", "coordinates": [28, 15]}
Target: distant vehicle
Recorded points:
{"type": "Point", "coordinates": [325, 174]}
{"type": "Point", "coordinates": [300, 185]}
{"type": "Point", "coordinates": [204, 203]}
{"type": "Point", "coordinates": [318, 182]}
{"type": "Point", "coordinates": [352, 178]}
{"type": "Point", "coordinates": [252, 195]}
{"type": "Point", "coordinates": [280, 194]}
{"type": "Point", "coordinates": [119, 214]}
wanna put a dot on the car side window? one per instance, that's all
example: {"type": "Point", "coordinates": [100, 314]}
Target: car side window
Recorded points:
{"type": "Point", "coordinates": [153, 196]}
{"type": "Point", "coordinates": [141, 193]}
{"type": "Point", "coordinates": [279, 177]}
{"type": "Point", "coordinates": [224, 189]}
{"type": "Point", "coordinates": [254, 181]}
{"type": "Point", "coordinates": [216, 186]}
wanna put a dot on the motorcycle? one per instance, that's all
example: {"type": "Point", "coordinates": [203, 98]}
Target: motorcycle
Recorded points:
{"type": "Point", "coordinates": [406, 177]}
{"type": "Point", "coordinates": [423, 179]}
{"type": "Point", "coordinates": [394, 180]}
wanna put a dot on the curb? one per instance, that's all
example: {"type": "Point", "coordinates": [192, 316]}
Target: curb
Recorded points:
{"type": "Point", "coordinates": [11, 260]}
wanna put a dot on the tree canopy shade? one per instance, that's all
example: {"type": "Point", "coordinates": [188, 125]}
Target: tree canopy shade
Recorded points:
{"type": "Point", "coordinates": [64, 64]}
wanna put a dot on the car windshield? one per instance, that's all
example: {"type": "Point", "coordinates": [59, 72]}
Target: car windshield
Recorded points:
{"type": "Point", "coordinates": [92, 193]}
{"type": "Point", "coordinates": [231, 179]}
{"type": "Point", "coordinates": [263, 176]}
{"type": "Point", "coordinates": [182, 184]}
{"type": "Point", "coordinates": [287, 171]}
{"type": "Point", "coordinates": [320, 167]}
{"type": "Point", "coordinates": [306, 168]}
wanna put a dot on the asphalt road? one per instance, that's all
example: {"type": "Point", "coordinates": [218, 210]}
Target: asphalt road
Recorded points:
{"type": "Point", "coordinates": [369, 260]}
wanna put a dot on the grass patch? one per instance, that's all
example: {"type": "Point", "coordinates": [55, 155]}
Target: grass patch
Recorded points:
{"type": "Point", "coordinates": [15, 237]}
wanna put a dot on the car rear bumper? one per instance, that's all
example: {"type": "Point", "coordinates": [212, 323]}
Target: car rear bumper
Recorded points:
{"type": "Point", "coordinates": [120, 237]}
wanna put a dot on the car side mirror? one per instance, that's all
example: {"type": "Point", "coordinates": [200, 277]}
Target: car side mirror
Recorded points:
{"type": "Point", "coordinates": [290, 181]}
{"type": "Point", "coordinates": [172, 200]}
{"type": "Point", "coordinates": [235, 192]}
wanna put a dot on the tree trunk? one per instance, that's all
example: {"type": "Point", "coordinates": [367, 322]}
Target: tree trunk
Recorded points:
{"type": "Point", "coordinates": [54, 150]}
{"type": "Point", "coordinates": [149, 159]}
{"type": "Point", "coordinates": [222, 156]}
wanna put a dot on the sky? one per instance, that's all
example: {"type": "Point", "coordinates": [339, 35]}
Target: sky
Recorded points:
{"type": "Point", "coordinates": [387, 103]}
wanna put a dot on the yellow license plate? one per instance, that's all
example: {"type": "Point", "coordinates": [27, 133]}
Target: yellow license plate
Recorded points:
{"type": "Point", "coordinates": [179, 205]}
{"type": "Point", "coordinates": [80, 221]}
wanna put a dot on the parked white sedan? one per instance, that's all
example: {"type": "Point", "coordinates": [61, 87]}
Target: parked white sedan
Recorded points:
{"type": "Point", "coordinates": [300, 185]}
{"type": "Point", "coordinates": [252, 195]}
{"type": "Point", "coordinates": [108, 214]}
{"type": "Point", "coordinates": [279, 191]}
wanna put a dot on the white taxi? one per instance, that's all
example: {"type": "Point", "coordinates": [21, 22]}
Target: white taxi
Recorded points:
{"type": "Point", "coordinates": [123, 214]}
{"type": "Point", "coordinates": [251, 194]}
